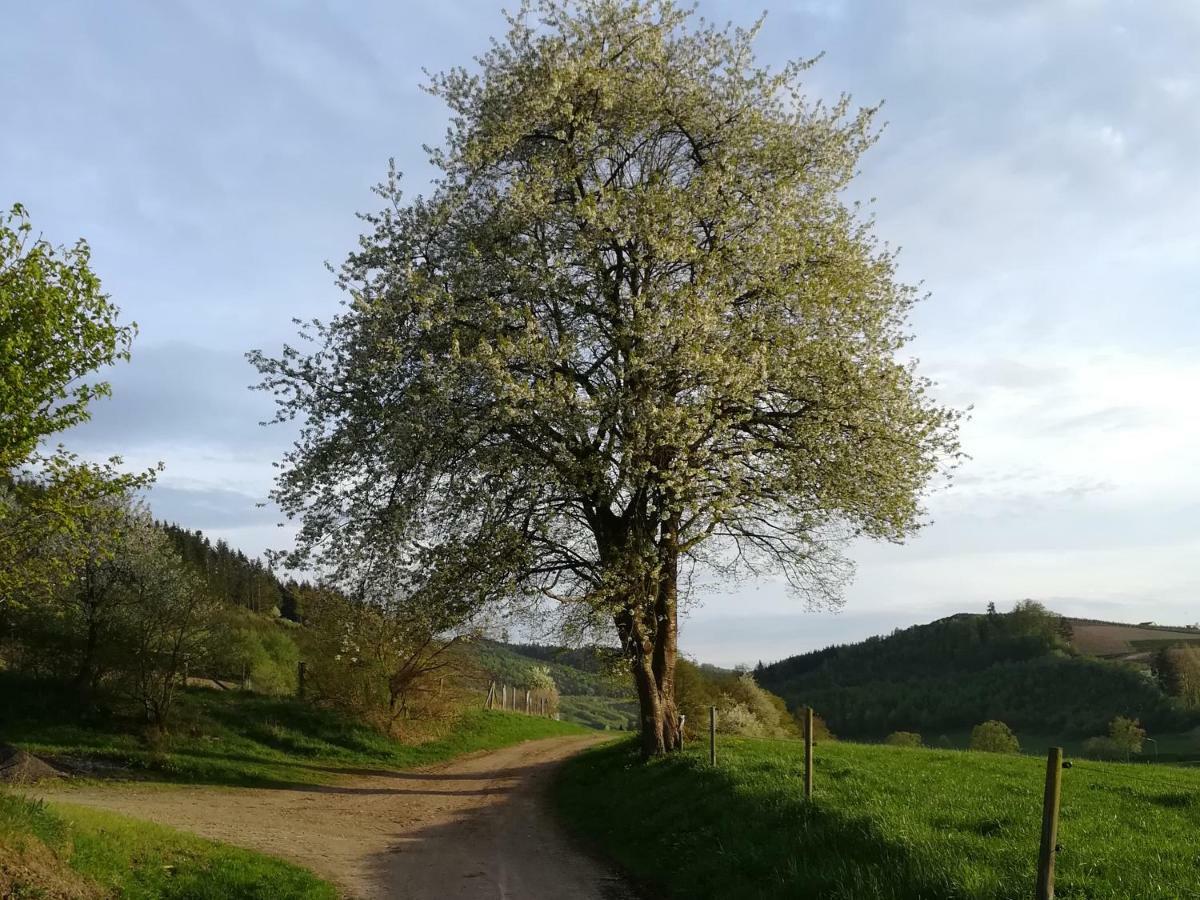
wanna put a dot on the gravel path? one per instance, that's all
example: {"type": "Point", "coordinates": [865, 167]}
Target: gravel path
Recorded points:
{"type": "Point", "coordinates": [477, 827]}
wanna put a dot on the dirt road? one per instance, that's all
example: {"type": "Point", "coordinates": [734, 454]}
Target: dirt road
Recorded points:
{"type": "Point", "coordinates": [477, 827]}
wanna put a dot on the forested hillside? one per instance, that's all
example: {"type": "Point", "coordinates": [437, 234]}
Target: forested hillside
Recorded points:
{"type": "Point", "coordinates": [1018, 667]}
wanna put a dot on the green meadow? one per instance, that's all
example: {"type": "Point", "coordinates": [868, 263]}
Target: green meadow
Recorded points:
{"type": "Point", "coordinates": [885, 822]}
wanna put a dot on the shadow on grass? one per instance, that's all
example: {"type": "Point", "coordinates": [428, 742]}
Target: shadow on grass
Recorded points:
{"type": "Point", "coordinates": [683, 829]}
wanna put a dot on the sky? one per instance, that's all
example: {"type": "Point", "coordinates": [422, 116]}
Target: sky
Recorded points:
{"type": "Point", "coordinates": [1038, 171]}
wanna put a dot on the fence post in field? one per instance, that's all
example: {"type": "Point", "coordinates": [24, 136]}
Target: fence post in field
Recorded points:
{"type": "Point", "coordinates": [300, 668]}
{"type": "Point", "coordinates": [491, 696]}
{"type": "Point", "coordinates": [682, 722]}
{"type": "Point", "coordinates": [712, 735]}
{"type": "Point", "coordinates": [245, 677]}
{"type": "Point", "coordinates": [1045, 876]}
{"type": "Point", "coordinates": [527, 703]}
{"type": "Point", "coordinates": [504, 696]}
{"type": "Point", "coordinates": [808, 753]}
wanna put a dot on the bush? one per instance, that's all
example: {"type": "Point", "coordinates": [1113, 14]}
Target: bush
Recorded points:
{"type": "Point", "coordinates": [904, 739]}
{"type": "Point", "coordinates": [262, 648]}
{"type": "Point", "coordinates": [994, 737]}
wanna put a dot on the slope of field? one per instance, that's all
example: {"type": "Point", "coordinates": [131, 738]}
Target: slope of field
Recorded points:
{"type": "Point", "coordinates": [238, 738]}
{"type": "Point", "coordinates": [589, 692]}
{"type": "Point", "coordinates": [67, 851]}
{"type": "Point", "coordinates": [1118, 639]}
{"type": "Point", "coordinates": [886, 822]}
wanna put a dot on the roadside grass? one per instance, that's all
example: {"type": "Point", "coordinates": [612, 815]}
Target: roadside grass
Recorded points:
{"type": "Point", "coordinates": [886, 822]}
{"type": "Point", "coordinates": [55, 850]}
{"type": "Point", "coordinates": [235, 738]}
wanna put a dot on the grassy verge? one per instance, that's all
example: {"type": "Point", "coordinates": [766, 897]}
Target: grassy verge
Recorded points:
{"type": "Point", "coordinates": [60, 851]}
{"type": "Point", "coordinates": [886, 823]}
{"type": "Point", "coordinates": [242, 739]}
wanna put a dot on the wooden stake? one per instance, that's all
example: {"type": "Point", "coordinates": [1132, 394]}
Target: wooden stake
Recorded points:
{"type": "Point", "coordinates": [504, 696]}
{"type": "Point", "coordinates": [712, 735]}
{"type": "Point", "coordinates": [300, 670]}
{"type": "Point", "coordinates": [527, 703]}
{"type": "Point", "coordinates": [808, 755]}
{"type": "Point", "coordinates": [1045, 877]}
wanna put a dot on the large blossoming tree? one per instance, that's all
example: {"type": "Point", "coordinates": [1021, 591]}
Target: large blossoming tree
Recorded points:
{"type": "Point", "coordinates": [634, 326]}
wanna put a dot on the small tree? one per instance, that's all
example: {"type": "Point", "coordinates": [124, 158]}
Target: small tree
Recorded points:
{"type": "Point", "coordinates": [994, 737]}
{"type": "Point", "coordinates": [904, 739]}
{"type": "Point", "coordinates": [163, 625]}
{"type": "Point", "coordinates": [1127, 735]}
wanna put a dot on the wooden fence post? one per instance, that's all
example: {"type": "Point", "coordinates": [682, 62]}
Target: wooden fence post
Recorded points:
{"type": "Point", "coordinates": [504, 696]}
{"type": "Point", "coordinates": [712, 735]}
{"type": "Point", "coordinates": [300, 670]}
{"type": "Point", "coordinates": [245, 677]}
{"type": "Point", "coordinates": [491, 696]}
{"type": "Point", "coordinates": [1050, 801]}
{"type": "Point", "coordinates": [808, 753]}
{"type": "Point", "coordinates": [527, 703]}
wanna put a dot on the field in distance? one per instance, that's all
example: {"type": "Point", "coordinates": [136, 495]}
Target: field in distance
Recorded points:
{"type": "Point", "coordinates": [1120, 639]}
{"type": "Point", "coordinates": [886, 822]}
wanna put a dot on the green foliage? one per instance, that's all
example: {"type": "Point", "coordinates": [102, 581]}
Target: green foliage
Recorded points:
{"type": "Point", "coordinates": [52, 523]}
{"type": "Point", "coordinates": [1126, 734]}
{"type": "Point", "coordinates": [904, 739]}
{"type": "Point", "coordinates": [994, 737]}
{"type": "Point", "coordinates": [233, 737]}
{"type": "Point", "coordinates": [56, 329]}
{"type": "Point", "coordinates": [885, 823]}
{"type": "Point", "coordinates": [233, 577]}
{"type": "Point", "coordinates": [265, 649]}
{"type": "Point", "coordinates": [89, 853]}
{"type": "Point", "coordinates": [953, 673]}
{"type": "Point", "coordinates": [742, 706]}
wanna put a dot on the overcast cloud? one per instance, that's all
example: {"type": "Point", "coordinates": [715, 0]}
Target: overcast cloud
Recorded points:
{"type": "Point", "coordinates": [1039, 170]}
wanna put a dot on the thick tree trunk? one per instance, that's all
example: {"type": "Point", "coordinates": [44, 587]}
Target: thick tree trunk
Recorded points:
{"type": "Point", "coordinates": [652, 635]}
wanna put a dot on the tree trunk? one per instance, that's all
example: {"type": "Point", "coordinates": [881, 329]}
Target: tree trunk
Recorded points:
{"type": "Point", "coordinates": [652, 635]}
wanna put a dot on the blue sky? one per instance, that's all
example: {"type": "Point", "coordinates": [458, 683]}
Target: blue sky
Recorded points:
{"type": "Point", "coordinates": [1039, 170]}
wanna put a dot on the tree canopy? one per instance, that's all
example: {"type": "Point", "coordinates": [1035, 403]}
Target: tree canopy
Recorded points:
{"type": "Point", "coordinates": [634, 325]}
{"type": "Point", "coordinates": [56, 329]}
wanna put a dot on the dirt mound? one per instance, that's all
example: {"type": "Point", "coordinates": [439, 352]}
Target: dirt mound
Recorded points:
{"type": "Point", "coordinates": [19, 767]}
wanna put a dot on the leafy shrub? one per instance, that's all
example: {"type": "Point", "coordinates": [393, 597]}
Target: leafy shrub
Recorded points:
{"type": "Point", "coordinates": [994, 737]}
{"type": "Point", "coordinates": [904, 739]}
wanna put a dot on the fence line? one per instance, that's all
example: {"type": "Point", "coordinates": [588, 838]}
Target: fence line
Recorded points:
{"type": "Point", "coordinates": [1049, 847]}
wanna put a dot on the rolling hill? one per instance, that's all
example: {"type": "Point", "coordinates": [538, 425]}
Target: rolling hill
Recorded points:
{"type": "Point", "coordinates": [1038, 672]}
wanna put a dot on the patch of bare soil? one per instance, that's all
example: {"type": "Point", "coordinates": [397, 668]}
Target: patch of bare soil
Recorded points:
{"type": "Point", "coordinates": [477, 827]}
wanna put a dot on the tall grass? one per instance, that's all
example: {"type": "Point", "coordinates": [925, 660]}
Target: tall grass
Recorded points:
{"type": "Point", "coordinates": [886, 822]}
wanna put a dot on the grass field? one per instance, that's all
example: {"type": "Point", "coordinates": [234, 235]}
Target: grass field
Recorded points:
{"type": "Point", "coordinates": [242, 739]}
{"type": "Point", "coordinates": [885, 823]}
{"type": "Point", "coordinates": [63, 851]}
